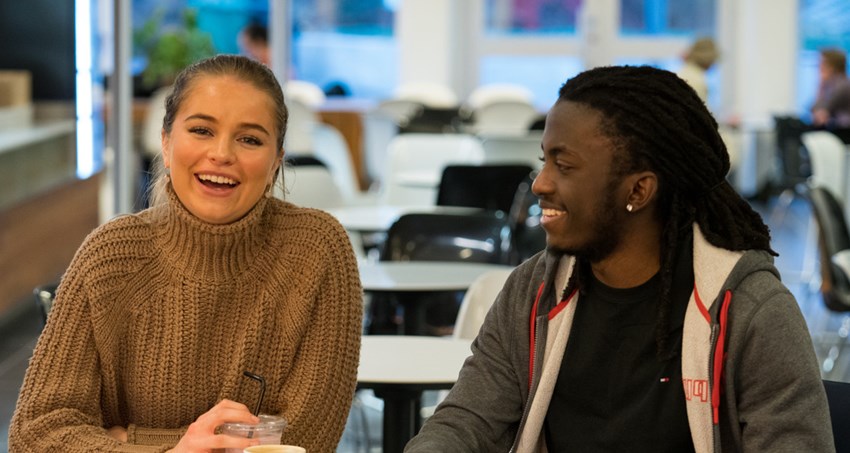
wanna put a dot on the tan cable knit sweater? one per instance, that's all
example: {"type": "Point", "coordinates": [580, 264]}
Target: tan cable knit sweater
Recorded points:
{"type": "Point", "coordinates": [159, 314]}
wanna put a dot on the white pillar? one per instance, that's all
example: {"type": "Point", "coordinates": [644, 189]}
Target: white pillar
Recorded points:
{"type": "Point", "coordinates": [759, 41]}
{"type": "Point", "coordinates": [598, 29]}
{"type": "Point", "coordinates": [427, 32]}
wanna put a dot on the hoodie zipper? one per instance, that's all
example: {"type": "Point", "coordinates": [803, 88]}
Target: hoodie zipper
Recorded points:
{"type": "Point", "coordinates": [532, 387]}
{"type": "Point", "coordinates": [535, 326]}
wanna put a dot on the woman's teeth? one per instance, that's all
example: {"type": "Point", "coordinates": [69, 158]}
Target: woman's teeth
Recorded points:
{"type": "Point", "coordinates": [217, 179]}
{"type": "Point", "coordinates": [552, 212]}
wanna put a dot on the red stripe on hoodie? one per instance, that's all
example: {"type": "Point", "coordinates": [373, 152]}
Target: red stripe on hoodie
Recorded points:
{"type": "Point", "coordinates": [719, 356]}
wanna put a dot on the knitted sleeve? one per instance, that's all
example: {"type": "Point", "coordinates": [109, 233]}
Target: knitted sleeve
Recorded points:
{"type": "Point", "coordinates": [59, 405]}
{"type": "Point", "coordinates": [321, 384]}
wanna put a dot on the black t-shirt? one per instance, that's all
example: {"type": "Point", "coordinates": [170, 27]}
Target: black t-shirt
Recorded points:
{"type": "Point", "coordinates": [614, 392]}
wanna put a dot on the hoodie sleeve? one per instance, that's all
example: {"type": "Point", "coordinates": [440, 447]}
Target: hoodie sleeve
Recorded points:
{"type": "Point", "coordinates": [773, 386]}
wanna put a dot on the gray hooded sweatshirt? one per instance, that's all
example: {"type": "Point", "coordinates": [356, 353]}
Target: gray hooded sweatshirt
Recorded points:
{"type": "Point", "coordinates": [749, 371]}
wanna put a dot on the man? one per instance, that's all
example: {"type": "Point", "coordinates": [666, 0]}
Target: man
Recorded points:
{"type": "Point", "coordinates": [698, 59]}
{"type": "Point", "coordinates": [832, 107]}
{"type": "Point", "coordinates": [654, 320]}
{"type": "Point", "coordinates": [254, 42]}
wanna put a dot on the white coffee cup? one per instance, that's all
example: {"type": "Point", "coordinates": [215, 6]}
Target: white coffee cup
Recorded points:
{"type": "Point", "coordinates": [275, 449]}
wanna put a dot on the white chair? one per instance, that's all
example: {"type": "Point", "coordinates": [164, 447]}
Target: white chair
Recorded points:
{"type": "Point", "coordinates": [310, 186]}
{"type": "Point", "coordinates": [497, 92]}
{"type": "Point", "coordinates": [416, 163]}
{"type": "Point", "coordinates": [430, 94]}
{"type": "Point", "coordinates": [499, 149]}
{"type": "Point", "coordinates": [476, 303]}
{"type": "Point", "coordinates": [473, 309]}
{"type": "Point", "coordinates": [400, 111]}
{"type": "Point", "coordinates": [507, 117]}
{"type": "Point", "coordinates": [330, 147]}
{"type": "Point", "coordinates": [299, 129]}
{"type": "Point", "coordinates": [379, 129]}
{"type": "Point", "coordinates": [827, 154]}
{"type": "Point", "coordinates": [307, 93]}
{"type": "Point", "coordinates": [152, 128]}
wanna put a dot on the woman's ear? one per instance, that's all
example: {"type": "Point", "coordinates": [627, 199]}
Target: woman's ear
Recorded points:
{"type": "Point", "coordinates": [643, 190]}
{"type": "Point", "coordinates": [165, 149]}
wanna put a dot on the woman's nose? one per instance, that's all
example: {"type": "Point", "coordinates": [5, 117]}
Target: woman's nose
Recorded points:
{"type": "Point", "coordinates": [221, 152]}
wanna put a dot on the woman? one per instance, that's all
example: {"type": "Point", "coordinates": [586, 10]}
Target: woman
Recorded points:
{"type": "Point", "coordinates": [161, 312]}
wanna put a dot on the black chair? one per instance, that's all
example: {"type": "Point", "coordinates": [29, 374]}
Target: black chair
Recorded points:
{"type": "Point", "coordinates": [833, 238]}
{"type": "Point", "coordinates": [477, 238]}
{"type": "Point", "coordinates": [433, 120]}
{"type": "Point", "coordinates": [838, 396]}
{"type": "Point", "coordinates": [44, 296]}
{"type": "Point", "coordinates": [304, 160]}
{"type": "Point", "coordinates": [527, 236]}
{"type": "Point", "coordinates": [490, 187]}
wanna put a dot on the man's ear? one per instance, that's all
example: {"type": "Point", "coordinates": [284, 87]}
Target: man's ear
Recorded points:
{"type": "Point", "coordinates": [643, 190]}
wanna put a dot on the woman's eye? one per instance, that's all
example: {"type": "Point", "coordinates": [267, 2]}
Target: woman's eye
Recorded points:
{"type": "Point", "coordinates": [200, 131]}
{"type": "Point", "coordinates": [541, 159]}
{"type": "Point", "coordinates": [254, 141]}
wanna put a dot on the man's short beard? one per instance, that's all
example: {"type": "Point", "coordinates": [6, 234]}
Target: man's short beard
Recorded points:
{"type": "Point", "coordinates": [608, 230]}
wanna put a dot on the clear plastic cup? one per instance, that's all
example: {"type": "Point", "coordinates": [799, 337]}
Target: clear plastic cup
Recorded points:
{"type": "Point", "coordinates": [275, 449]}
{"type": "Point", "coordinates": [268, 431]}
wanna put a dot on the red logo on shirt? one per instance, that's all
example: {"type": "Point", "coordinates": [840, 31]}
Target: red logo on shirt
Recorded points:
{"type": "Point", "coordinates": [696, 388]}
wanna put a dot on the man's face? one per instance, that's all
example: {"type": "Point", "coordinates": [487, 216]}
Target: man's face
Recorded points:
{"type": "Point", "coordinates": [583, 203]}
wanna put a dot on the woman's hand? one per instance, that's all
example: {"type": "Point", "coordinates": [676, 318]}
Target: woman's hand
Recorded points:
{"type": "Point", "coordinates": [118, 433]}
{"type": "Point", "coordinates": [201, 436]}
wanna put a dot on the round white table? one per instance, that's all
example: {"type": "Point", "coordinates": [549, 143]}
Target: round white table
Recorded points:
{"type": "Point", "coordinates": [412, 277]}
{"type": "Point", "coordinates": [399, 369]}
{"type": "Point", "coordinates": [379, 218]}
{"type": "Point", "coordinates": [396, 276]}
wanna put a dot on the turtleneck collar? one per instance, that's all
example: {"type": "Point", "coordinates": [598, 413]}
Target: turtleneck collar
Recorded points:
{"type": "Point", "coordinates": [206, 251]}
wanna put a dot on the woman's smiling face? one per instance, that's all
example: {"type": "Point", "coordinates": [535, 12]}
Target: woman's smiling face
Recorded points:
{"type": "Point", "coordinates": [221, 151]}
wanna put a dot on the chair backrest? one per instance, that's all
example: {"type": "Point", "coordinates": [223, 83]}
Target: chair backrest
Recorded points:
{"type": "Point", "coordinates": [793, 158]}
{"type": "Point", "coordinates": [827, 155]}
{"type": "Point", "coordinates": [416, 161]}
{"type": "Point", "coordinates": [310, 186]}
{"type": "Point", "coordinates": [303, 160]}
{"type": "Point", "coordinates": [497, 92]}
{"type": "Point", "coordinates": [477, 301]}
{"type": "Point", "coordinates": [833, 238]}
{"type": "Point", "coordinates": [527, 236]}
{"type": "Point", "coordinates": [490, 187]}
{"type": "Point", "coordinates": [479, 238]}
{"type": "Point", "coordinates": [400, 111]}
{"type": "Point", "coordinates": [511, 118]}
{"type": "Point", "coordinates": [152, 127]}
{"type": "Point", "coordinates": [331, 148]}
{"type": "Point", "coordinates": [524, 149]}
{"type": "Point", "coordinates": [838, 397]}
{"type": "Point", "coordinates": [430, 94]}
{"type": "Point", "coordinates": [307, 93]}
{"type": "Point", "coordinates": [302, 119]}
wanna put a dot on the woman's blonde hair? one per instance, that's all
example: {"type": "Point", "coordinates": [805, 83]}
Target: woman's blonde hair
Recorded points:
{"type": "Point", "coordinates": [238, 66]}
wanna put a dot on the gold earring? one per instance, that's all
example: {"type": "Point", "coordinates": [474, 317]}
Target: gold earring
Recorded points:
{"type": "Point", "coordinates": [629, 207]}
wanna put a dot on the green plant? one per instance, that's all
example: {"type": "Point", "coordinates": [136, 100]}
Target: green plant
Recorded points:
{"type": "Point", "coordinates": [169, 51]}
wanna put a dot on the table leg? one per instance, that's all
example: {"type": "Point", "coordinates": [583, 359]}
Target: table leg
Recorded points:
{"type": "Point", "coordinates": [401, 417]}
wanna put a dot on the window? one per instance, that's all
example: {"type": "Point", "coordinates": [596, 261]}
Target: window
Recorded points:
{"type": "Point", "coordinates": [823, 23]}
{"type": "Point", "coordinates": [531, 16]}
{"type": "Point", "coordinates": [667, 17]}
{"type": "Point", "coordinates": [348, 43]}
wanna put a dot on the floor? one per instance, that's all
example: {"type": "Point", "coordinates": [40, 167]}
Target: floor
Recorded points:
{"type": "Point", "coordinates": [793, 236]}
